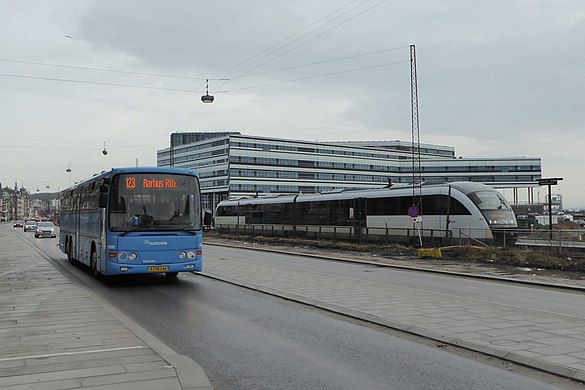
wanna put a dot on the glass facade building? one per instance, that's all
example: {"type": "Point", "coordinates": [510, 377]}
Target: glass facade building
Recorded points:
{"type": "Point", "coordinates": [231, 164]}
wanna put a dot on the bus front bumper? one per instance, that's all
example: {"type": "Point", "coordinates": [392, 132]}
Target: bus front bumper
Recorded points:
{"type": "Point", "coordinates": [121, 269]}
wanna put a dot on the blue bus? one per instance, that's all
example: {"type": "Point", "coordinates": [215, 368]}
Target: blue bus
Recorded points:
{"type": "Point", "coordinates": [134, 221]}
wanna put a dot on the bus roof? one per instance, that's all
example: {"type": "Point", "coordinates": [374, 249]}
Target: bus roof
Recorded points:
{"type": "Point", "coordinates": [116, 171]}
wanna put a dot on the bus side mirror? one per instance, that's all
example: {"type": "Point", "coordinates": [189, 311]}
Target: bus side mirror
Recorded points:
{"type": "Point", "coordinates": [207, 218]}
{"type": "Point", "coordinates": [103, 202]}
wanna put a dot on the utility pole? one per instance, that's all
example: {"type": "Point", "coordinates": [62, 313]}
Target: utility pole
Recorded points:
{"type": "Point", "coordinates": [415, 211]}
{"type": "Point", "coordinates": [416, 168]}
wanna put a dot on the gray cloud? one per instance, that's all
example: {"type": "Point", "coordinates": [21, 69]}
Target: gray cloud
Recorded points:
{"type": "Point", "coordinates": [505, 78]}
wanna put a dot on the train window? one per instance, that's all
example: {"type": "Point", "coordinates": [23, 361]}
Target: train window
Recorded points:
{"type": "Point", "coordinates": [438, 204]}
{"type": "Point", "coordinates": [227, 211]}
{"type": "Point", "coordinates": [389, 206]}
{"type": "Point", "coordinates": [431, 205]}
{"type": "Point", "coordinates": [489, 200]}
{"type": "Point", "coordinates": [457, 208]}
{"type": "Point", "coordinates": [272, 213]}
{"type": "Point", "coordinates": [254, 213]}
{"type": "Point", "coordinates": [339, 213]}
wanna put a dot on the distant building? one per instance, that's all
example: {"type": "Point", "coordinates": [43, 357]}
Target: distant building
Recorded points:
{"type": "Point", "coordinates": [231, 164]}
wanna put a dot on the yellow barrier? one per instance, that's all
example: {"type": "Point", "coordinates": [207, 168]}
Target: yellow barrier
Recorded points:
{"type": "Point", "coordinates": [432, 252]}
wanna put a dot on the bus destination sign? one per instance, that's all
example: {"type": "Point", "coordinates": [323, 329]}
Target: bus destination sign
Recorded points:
{"type": "Point", "coordinates": [132, 183]}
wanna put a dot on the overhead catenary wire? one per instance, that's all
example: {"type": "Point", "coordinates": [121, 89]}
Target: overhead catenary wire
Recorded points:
{"type": "Point", "coordinates": [314, 37]}
{"type": "Point", "coordinates": [282, 40]}
{"type": "Point", "coordinates": [101, 69]}
{"type": "Point", "coordinates": [319, 62]}
{"type": "Point", "coordinates": [320, 75]}
{"type": "Point", "coordinates": [96, 83]}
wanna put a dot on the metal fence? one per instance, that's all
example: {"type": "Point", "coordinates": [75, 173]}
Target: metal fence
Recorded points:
{"type": "Point", "coordinates": [556, 239]}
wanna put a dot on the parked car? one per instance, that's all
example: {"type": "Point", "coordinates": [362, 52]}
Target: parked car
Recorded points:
{"type": "Point", "coordinates": [18, 224]}
{"type": "Point", "coordinates": [45, 229]}
{"type": "Point", "coordinates": [30, 225]}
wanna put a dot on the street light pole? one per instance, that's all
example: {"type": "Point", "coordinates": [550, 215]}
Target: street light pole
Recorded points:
{"type": "Point", "coordinates": [48, 201]}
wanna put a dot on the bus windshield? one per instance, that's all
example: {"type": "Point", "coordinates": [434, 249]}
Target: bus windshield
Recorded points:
{"type": "Point", "coordinates": [154, 201]}
{"type": "Point", "coordinates": [489, 200]}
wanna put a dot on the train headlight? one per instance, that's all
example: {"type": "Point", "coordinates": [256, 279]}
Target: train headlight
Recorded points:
{"type": "Point", "coordinates": [132, 256]}
{"type": "Point", "coordinates": [182, 254]}
{"type": "Point", "coordinates": [191, 254]}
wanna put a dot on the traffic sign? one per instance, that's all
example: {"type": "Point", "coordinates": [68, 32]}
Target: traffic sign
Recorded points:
{"type": "Point", "coordinates": [549, 181]}
{"type": "Point", "coordinates": [413, 211]}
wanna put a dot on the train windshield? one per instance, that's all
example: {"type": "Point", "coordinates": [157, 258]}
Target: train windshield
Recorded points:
{"type": "Point", "coordinates": [147, 202]}
{"type": "Point", "coordinates": [489, 200]}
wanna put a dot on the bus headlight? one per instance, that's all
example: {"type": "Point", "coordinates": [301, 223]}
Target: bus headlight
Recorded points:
{"type": "Point", "coordinates": [191, 254]}
{"type": "Point", "coordinates": [182, 254]}
{"type": "Point", "coordinates": [132, 256]}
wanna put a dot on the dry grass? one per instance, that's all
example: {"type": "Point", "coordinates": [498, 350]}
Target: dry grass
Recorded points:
{"type": "Point", "coordinates": [529, 258]}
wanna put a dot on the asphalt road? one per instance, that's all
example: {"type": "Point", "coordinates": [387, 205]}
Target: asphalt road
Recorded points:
{"type": "Point", "coordinates": [247, 340]}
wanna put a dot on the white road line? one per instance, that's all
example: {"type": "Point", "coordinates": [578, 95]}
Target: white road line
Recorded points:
{"type": "Point", "coordinates": [69, 353]}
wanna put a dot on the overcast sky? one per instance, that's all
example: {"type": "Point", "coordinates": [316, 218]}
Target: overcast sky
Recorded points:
{"type": "Point", "coordinates": [495, 78]}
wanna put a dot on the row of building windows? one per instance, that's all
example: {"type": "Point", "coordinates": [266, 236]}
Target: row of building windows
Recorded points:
{"type": "Point", "coordinates": [267, 188]}
{"type": "Point", "coordinates": [379, 168]}
{"type": "Point", "coordinates": [213, 183]}
{"type": "Point", "coordinates": [478, 168]}
{"type": "Point", "coordinates": [339, 152]}
{"type": "Point", "coordinates": [304, 175]}
{"type": "Point", "coordinates": [345, 178]}
{"type": "Point", "coordinates": [198, 164]}
{"type": "Point", "coordinates": [194, 148]}
{"type": "Point", "coordinates": [272, 147]}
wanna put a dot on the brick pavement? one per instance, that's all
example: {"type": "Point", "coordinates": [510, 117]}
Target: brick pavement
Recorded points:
{"type": "Point", "coordinates": [55, 335]}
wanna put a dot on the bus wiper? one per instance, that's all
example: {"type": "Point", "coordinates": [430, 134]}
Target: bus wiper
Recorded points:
{"type": "Point", "coordinates": [138, 229]}
{"type": "Point", "coordinates": [177, 229]}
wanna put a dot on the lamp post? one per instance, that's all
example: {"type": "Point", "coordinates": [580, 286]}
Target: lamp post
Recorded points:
{"type": "Point", "coordinates": [68, 170]}
{"type": "Point", "coordinates": [48, 201]}
{"type": "Point", "coordinates": [549, 182]}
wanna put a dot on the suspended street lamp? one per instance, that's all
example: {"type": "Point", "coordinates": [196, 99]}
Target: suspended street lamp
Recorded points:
{"type": "Point", "coordinates": [207, 98]}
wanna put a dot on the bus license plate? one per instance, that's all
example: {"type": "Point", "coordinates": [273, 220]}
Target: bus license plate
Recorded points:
{"type": "Point", "coordinates": [158, 269]}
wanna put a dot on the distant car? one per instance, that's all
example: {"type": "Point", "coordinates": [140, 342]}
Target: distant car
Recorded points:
{"type": "Point", "coordinates": [30, 225]}
{"type": "Point", "coordinates": [45, 229]}
{"type": "Point", "coordinates": [18, 224]}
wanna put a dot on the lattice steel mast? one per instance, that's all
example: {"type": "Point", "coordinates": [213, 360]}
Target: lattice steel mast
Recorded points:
{"type": "Point", "coordinates": [416, 168]}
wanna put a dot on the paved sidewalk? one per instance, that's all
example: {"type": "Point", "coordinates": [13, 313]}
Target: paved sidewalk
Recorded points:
{"type": "Point", "coordinates": [545, 341]}
{"type": "Point", "coordinates": [55, 335]}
